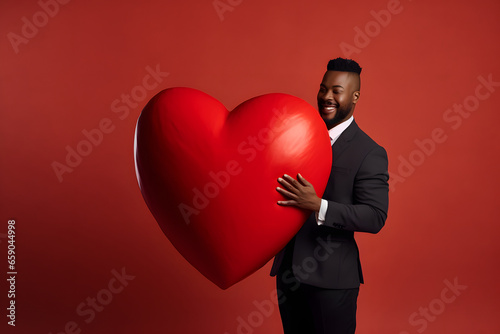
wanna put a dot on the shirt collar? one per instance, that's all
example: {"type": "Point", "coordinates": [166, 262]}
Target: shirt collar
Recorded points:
{"type": "Point", "coordinates": [337, 130]}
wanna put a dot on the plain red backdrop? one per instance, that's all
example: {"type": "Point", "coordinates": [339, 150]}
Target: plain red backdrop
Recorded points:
{"type": "Point", "coordinates": [72, 233]}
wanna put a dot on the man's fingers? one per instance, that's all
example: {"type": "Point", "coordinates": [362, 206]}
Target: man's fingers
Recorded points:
{"type": "Point", "coordinates": [287, 203]}
{"type": "Point", "coordinates": [291, 180]}
{"type": "Point", "coordinates": [286, 184]}
{"type": "Point", "coordinates": [302, 180]}
{"type": "Point", "coordinates": [286, 193]}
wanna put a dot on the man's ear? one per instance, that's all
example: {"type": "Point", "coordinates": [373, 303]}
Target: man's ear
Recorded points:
{"type": "Point", "coordinates": [355, 96]}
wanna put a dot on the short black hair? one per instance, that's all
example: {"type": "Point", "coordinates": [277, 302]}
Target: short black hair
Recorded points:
{"type": "Point", "coordinates": [344, 65]}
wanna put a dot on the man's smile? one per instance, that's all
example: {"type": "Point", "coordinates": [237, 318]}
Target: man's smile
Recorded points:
{"type": "Point", "coordinates": [326, 108]}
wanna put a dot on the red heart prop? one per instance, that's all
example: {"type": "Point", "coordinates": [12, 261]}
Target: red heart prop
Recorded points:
{"type": "Point", "coordinates": [209, 175]}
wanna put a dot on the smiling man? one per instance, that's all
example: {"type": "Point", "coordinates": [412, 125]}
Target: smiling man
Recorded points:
{"type": "Point", "coordinates": [319, 271]}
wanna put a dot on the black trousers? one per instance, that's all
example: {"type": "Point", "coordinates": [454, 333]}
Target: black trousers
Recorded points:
{"type": "Point", "coordinates": [307, 309]}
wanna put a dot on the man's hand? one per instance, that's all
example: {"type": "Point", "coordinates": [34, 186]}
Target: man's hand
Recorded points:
{"type": "Point", "coordinates": [300, 193]}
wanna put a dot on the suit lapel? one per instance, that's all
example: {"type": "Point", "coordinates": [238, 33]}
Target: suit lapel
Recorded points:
{"type": "Point", "coordinates": [342, 142]}
{"type": "Point", "coordinates": [339, 147]}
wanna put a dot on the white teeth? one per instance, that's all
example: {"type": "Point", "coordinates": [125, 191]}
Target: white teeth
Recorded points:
{"type": "Point", "coordinates": [329, 109]}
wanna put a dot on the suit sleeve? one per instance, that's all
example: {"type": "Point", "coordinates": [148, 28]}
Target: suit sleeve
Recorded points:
{"type": "Point", "coordinates": [370, 197]}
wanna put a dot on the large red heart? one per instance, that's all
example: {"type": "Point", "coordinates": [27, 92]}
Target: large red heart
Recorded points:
{"type": "Point", "coordinates": [209, 175]}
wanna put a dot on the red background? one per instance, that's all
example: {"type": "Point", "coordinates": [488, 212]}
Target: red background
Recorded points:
{"type": "Point", "coordinates": [442, 221]}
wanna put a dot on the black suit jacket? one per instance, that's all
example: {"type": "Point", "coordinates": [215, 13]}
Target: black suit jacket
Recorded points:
{"type": "Point", "coordinates": [357, 192]}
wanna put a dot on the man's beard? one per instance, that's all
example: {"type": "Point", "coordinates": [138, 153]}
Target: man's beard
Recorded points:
{"type": "Point", "coordinates": [339, 117]}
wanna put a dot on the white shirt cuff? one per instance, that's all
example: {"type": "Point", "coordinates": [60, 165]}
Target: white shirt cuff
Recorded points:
{"type": "Point", "coordinates": [320, 216]}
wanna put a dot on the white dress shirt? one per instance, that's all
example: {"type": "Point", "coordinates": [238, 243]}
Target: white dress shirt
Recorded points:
{"type": "Point", "coordinates": [335, 133]}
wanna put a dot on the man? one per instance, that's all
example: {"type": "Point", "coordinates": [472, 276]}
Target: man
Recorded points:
{"type": "Point", "coordinates": [319, 271]}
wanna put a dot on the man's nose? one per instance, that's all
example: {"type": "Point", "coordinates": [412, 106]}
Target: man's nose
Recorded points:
{"type": "Point", "coordinates": [327, 96]}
